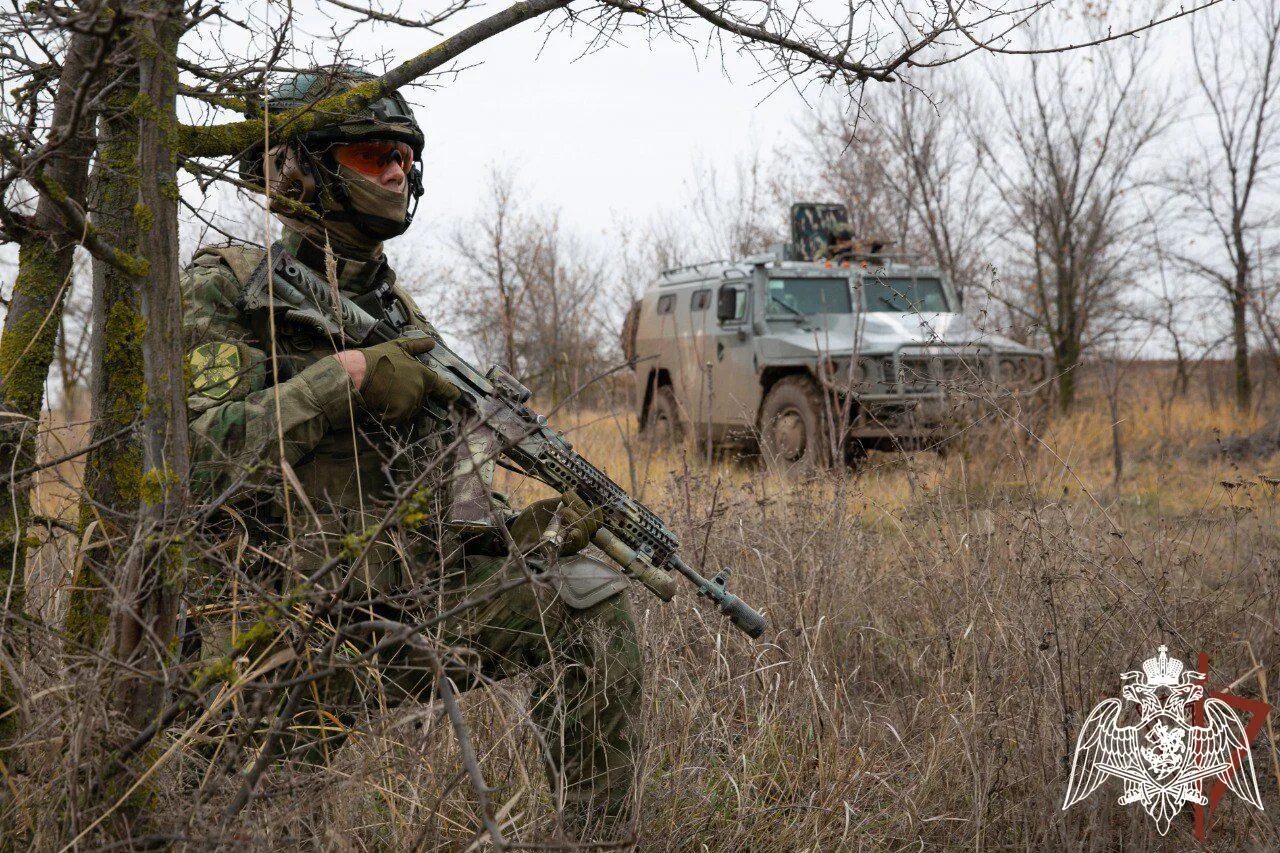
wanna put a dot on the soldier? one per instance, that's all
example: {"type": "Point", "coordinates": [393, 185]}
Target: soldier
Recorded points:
{"type": "Point", "coordinates": [839, 244]}
{"type": "Point", "coordinates": [349, 425]}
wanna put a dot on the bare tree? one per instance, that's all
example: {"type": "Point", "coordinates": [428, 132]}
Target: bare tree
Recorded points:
{"type": "Point", "coordinates": [489, 248]}
{"type": "Point", "coordinates": [1237, 72]}
{"type": "Point", "coordinates": [941, 177]}
{"type": "Point", "coordinates": [528, 294]}
{"type": "Point", "coordinates": [565, 332]}
{"type": "Point", "coordinates": [733, 207]}
{"type": "Point", "coordinates": [1066, 163]}
{"type": "Point", "coordinates": [46, 252]}
{"type": "Point", "coordinates": [642, 249]}
{"type": "Point", "coordinates": [1173, 312]}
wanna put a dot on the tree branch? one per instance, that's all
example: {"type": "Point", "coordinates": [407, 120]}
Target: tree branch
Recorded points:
{"type": "Point", "coordinates": [759, 34]}
{"type": "Point", "coordinates": [234, 138]}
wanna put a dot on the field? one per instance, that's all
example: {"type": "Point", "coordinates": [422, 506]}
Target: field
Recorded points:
{"type": "Point", "coordinates": [940, 626]}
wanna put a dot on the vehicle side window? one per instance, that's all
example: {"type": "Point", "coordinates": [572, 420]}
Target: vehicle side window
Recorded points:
{"type": "Point", "coordinates": [666, 303]}
{"type": "Point", "coordinates": [701, 299]}
{"type": "Point", "coordinates": [731, 305]}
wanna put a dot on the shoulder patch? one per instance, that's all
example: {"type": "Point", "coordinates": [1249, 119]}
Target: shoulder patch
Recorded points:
{"type": "Point", "coordinates": [215, 369]}
{"type": "Point", "coordinates": [240, 258]}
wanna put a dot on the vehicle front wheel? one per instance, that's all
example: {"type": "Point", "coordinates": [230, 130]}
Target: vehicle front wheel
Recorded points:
{"type": "Point", "coordinates": [792, 436]}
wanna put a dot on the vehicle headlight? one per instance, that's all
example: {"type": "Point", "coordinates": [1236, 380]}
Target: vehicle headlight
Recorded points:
{"type": "Point", "coordinates": [843, 374]}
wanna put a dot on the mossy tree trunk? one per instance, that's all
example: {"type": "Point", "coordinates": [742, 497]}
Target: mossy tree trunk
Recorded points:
{"type": "Point", "coordinates": [31, 325]}
{"type": "Point", "coordinates": [113, 469]}
{"type": "Point", "coordinates": [124, 598]}
{"type": "Point", "coordinates": [146, 626]}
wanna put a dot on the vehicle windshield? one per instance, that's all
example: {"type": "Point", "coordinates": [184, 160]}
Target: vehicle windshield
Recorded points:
{"type": "Point", "coordinates": [904, 295]}
{"type": "Point", "coordinates": [807, 296]}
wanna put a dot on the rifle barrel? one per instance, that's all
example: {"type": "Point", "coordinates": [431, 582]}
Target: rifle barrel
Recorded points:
{"type": "Point", "coordinates": [741, 614]}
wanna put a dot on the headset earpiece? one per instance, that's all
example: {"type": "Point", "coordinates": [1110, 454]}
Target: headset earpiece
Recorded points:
{"type": "Point", "coordinates": [293, 176]}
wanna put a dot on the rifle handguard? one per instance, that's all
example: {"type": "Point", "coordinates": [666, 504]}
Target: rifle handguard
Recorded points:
{"type": "Point", "coordinates": [636, 565]}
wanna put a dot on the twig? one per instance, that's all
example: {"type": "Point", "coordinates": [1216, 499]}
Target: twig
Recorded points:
{"type": "Point", "coordinates": [268, 752]}
{"type": "Point", "coordinates": [75, 223]}
{"type": "Point", "coordinates": [753, 33]}
{"type": "Point", "coordinates": [52, 463]}
{"type": "Point", "coordinates": [460, 731]}
{"type": "Point", "coordinates": [1271, 732]}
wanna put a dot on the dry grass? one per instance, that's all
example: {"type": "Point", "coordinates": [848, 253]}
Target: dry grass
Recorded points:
{"type": "Point", "coordinates": [940, 625]}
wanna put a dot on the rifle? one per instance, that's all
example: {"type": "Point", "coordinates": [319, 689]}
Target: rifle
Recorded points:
{"type": "Point", "coordinates": [499, 423]}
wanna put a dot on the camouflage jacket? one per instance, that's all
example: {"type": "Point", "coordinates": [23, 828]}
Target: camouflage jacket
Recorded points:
{"type": "Point", "coordinates": [248, 411]}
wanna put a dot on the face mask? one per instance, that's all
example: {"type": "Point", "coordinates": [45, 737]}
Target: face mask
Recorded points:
{"type": "Point", "coordinates": [382, 217]}
{"type": "Point", "coordinates": [383, 208]}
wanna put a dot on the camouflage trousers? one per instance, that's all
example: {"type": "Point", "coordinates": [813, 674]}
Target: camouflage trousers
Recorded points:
{"type": "Point", "coordinates": [585, 666]}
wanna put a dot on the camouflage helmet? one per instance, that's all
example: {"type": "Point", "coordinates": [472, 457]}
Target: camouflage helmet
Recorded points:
{"type": "Point", "coordinates": [389, 117]}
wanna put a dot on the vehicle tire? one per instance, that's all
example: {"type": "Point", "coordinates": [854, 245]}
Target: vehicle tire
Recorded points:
{"type": "Point", "coordinates": [792, 434]}
{"type": "Point", "coordinates": [665, 424]}
{"type": "Point", "coordinates": [855, 453]}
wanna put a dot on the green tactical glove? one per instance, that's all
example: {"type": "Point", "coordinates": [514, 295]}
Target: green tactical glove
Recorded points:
{"type": "Point", "coordinates": [578, 523]}
{"type": "Point", "coordinates": [396, 383]}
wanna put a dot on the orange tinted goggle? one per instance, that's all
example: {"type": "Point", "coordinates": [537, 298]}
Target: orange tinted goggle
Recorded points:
{"type": "Point", "coordinates": [371, 158]}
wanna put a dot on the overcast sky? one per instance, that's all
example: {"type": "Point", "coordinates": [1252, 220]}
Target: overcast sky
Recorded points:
{"type": "Point", "coordinates": [614, 132]}
{"type": "Point", "coordinates": [611, 135]}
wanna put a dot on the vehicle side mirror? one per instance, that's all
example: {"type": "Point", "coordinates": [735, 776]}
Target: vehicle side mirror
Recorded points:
{"type": "Point", "coordinates": [727, 304]}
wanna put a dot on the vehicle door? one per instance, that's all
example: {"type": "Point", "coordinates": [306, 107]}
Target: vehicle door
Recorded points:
{"type": "Point", "coordinates": [735, 388]}
{"type": "Point", "coordinates": [688, 354]}
{"type": "Point", "coordinates": [701, 340]}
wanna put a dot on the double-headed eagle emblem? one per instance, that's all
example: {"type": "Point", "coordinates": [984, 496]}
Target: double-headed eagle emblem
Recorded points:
{"type": "Point", "coordinates": [1163, 759]}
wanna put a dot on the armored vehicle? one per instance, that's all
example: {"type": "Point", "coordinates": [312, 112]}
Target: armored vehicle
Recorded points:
{"type": "Point", "coordinates": [822, 345]}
